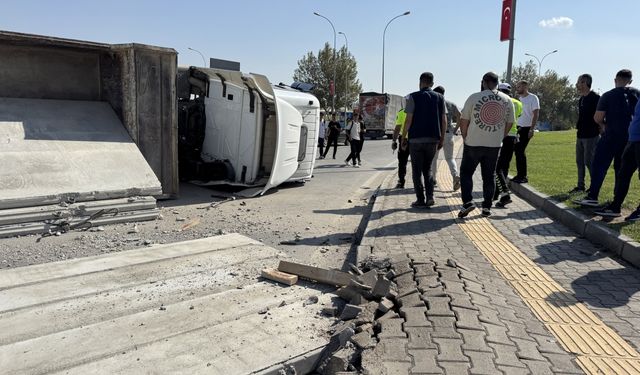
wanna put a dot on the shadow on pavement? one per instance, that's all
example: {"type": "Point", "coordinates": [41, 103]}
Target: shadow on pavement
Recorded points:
{"type": "Point", "coordinates": [545, 229]}
{"type": "Point", "coordinates": [356, 210]}
{"type": "Point", "coordinates": [415, 227]}
{"type": "Point", "coordinates": [607, 288]}
{"type": "Point", "coordinates": [577, 250]}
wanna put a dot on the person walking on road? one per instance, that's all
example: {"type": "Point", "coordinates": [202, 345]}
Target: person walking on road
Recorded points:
{"type": "Point", "coordinates": [629, 165]}
{"type": "Point", "coordinates": [363, 131]}
{"type": "Point", "coordinates": [424, 130]}
{"type": "Point", "coordinates": [526, 129]}
{"type": "Point", "coordinates": [322, 130]}
{"type": "Point", "coordinates": [588, 129]}
{"type": "Point", "coordinates": [502, 193]}
{"type": "Point", "coordinates": [613, 114]}
{"type": "Point", "coordinates": [403, 153]}
{"type": "Point", "coordinates": [353, 135]}
{"type": "Point", "coordinates": [334, 132]}
{"type": "Point", "coordinates": [453, 115]}
{"type": "Point", "coordinates": [486, 119]}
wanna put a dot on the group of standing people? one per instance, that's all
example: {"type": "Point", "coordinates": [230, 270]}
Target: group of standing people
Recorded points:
{"type": "Point", "coordinates": [355, 132]}
{"type": "Point", "coordinates": [490, 138]}
{"type": "Point", "coordinates": [608, 131]}
{"type": "Point", "coordinates": [486, 120]}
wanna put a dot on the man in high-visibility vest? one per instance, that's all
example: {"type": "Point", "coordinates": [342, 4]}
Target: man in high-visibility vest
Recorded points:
{"type": "Point", "coordinates": [506, 152]}
{"type": "Point", "coordinates": [403, 155]}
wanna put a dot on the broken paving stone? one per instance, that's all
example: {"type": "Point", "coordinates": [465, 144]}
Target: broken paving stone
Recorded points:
{"type": "Point", "coordinates": [310, 301]}
{"type": "Point", "coordinates": [363, 340]}
{"type": "Point", "coordinates": [385, 305]}
{"type": "Point", "coordinates": [355, 269]}
{"type": "Point", "coordinates": [382, 287]}
{"type": "Point", "coordinates": [345, 335]}
{"type": "Point", "coordinates": [369, 278]}
{"type": "Point", "coordinates": [329, 311]}
{"type": "Point", "coordinates": [263, 310]}
{"type": "Point", "coordinates": [350, 312]}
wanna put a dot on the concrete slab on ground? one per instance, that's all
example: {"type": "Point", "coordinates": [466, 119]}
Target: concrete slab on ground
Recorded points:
{"type": "Point", "coordinates": [190, 307]}
{"type": "Point", "coordinates": [54, 149]}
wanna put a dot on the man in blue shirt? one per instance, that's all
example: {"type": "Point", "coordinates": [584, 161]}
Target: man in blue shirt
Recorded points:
{"type": "Point", "coordinates": [630, 163]}
{"type": "Point", "coordinates": [613, 114]}
{"type": "Point", "coordinates": [425, 126]}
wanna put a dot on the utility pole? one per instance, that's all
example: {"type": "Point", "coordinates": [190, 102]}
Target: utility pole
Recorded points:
{"type": "Point", "coordinates": [512, 31]}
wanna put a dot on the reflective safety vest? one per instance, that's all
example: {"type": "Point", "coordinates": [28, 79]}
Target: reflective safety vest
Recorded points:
{"type": "Point", "coordinates": [401, 117]}
{"type": "Point", "coordinates": [517, 112]}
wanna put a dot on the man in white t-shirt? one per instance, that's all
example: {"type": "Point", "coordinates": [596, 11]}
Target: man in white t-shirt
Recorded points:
{"type": "Point", "coordinates": [526, 128]}
{"type": "Point", "coordinates": [485, 120]}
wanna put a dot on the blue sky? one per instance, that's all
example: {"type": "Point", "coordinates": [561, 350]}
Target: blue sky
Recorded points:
{"type": "Point", "coordinates": [457, 40]}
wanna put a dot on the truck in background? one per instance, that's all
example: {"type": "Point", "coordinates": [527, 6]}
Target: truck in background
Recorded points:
{"type": "Point", "coordinates": [379, 113]}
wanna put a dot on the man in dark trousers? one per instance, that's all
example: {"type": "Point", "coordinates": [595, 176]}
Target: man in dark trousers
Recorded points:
{"type": "Point", "coordinates": [334, 132]}
{"type": "Point", "coordinates": [588, 129]}
{"type": "Point", "coordinates": [403, 153]}
{"type": "Point", "coordinates": [425, 127]}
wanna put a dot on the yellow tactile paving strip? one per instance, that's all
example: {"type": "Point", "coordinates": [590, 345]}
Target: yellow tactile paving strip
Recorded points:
{"type": "Point", "coordinates": [598, 348]}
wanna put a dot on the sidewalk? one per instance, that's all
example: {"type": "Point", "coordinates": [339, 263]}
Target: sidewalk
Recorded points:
{"type": "Point", "coordinates": [514, 293]}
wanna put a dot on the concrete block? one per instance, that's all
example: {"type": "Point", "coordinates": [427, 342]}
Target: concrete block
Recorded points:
{"type": "Point", "coordinates": [321, 275]}
{"type": "Point", "coordinates": [329, 311]}
{"type": "Point", "coordinates": [388, 315]}
{"type": "Point", "coordinates": [367, 315]}
{"type": "Point", "coordinates": [345, 335]}
{"type": "Point", "coordinates": [631, 253]}
{"type": "Point", "coordinates": [385, 305]}
{"type": "Point", "coordinates": [369, 278]}
{"type": "Point", "coordinates": [392, 328]}
{"type": "Point", "coordinates": [339, 361]}
{"type": "Point", "coordinates": [390, 275]}
{"type": "Point", "coordinates": [415, 316]}
{"type": "Point", "coordinates": [604, 236]}
{"type": "Point", "coordinates": [363, 340]}
{"type": "Point", "coordinates": [350, 312]}
{"type": "Point", "coordinates": [347, 293]}
{"type": "Point", "coordinates": [411, 300]}
{"type": "Point", "coordinates": [382, 287]}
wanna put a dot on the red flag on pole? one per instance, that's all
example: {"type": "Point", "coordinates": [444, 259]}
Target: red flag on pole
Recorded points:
{"type": "Point", "coordinates": [505, 29]}
{"type": "Point", "coordinates": [331, 88]}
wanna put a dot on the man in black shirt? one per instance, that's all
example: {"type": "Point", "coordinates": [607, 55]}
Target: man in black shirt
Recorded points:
{"type": "Point", "coordinates": [334, 132]}
{"type": "Point", "coordinates": [588, 129]}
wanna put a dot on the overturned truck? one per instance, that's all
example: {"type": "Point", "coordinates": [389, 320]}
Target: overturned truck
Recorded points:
{"type": "Point", "coordinates": [238, 129]}
{"type": "Point", "coordinates": [90, 132]}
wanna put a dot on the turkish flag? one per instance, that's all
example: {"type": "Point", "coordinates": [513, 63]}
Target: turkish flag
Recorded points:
{"type": "Point", "coordinates": [505, 29]}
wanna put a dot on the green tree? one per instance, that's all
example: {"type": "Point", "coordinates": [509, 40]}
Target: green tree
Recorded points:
{"type": "Point", "coordinates": [558, 96]}
{"type": "Point", "coordinates": [318, 70]}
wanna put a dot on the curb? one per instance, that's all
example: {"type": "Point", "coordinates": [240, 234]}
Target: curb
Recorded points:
{"type": "Point", "coordinates": [616, 243]}
{"type": "Point", "coordinates": [367, 243]}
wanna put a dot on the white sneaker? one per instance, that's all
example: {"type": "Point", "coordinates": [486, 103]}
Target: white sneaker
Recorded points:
{"type": "Point", "coordinates": [356, 166]}
{"type": "Point", "coordinates": [346, 162]}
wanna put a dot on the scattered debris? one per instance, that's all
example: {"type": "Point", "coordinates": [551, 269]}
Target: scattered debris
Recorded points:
{"type": "Point", "coordinates": [279, 276]}
{"type": "Point", "coordinates": [191, 224]}
{"type": "Point", "coordinates": [312, 300]}
{"type": "Point", "coordinates": [263, 310]}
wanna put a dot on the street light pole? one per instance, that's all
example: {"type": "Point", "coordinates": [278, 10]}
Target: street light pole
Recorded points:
{"type": "Point", "coordinates": [541, 60]}
{"type": "Point", "coordinates": [383, 37]}
{"type": "Point", "coordinates": [201, 55]}
{"type": "Point", "coordinates": [346, 79]}
{"type": "Point", "coordinates": [333, 97]}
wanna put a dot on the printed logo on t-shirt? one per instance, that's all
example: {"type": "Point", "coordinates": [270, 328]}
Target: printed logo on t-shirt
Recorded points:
{"type": "Point", "coordinates": [489, 113]}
